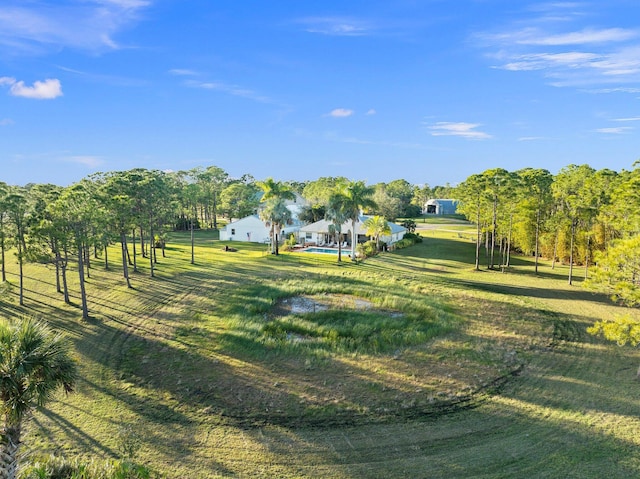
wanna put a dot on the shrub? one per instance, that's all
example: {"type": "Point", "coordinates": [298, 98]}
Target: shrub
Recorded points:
{"type": "Point", "coordinates": [409, 240]}
{"type": "Point", "coordinates": [414, 237]}
{"type": "Point", "coordinates": [367, 249]}
{"type": "Point", "coordinates": [289, 243]}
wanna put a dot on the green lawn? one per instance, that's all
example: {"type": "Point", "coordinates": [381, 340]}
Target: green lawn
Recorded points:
{"type": "Point", "coordinates": [412, 365]}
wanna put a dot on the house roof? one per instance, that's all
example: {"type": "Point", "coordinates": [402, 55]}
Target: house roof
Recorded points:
{"type": "Point", "coordinates": [251, 219]}
{"type": "Point", "coordinates": [441, 201]}
{"type": "Point", "coordinates": [255, 220]}
{"type": "Point", "coordinates": [322, 226]}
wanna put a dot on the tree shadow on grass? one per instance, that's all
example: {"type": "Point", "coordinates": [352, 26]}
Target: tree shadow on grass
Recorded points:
{"type": "Point", "coordinates": [75, 435]}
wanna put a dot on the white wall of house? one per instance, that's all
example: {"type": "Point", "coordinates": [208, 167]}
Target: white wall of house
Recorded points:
{"type": "Point", "coordinates": [250, 228]}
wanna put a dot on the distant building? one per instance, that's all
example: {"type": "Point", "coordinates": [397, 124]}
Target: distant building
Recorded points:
{"type": "Point", "coordinates": [441, 207]}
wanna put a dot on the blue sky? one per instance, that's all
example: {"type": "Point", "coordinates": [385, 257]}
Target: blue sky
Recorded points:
{"type": "Point", "coordinates": [372, 90]}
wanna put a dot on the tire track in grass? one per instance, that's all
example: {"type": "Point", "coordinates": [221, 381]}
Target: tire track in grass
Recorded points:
{"type": "Point", "coordinates": [572, 413]}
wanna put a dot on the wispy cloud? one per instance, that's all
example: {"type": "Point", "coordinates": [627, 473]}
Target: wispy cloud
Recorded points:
{"type": "Point", "coordinates": [336, 26]}
{"type": "Point", "coordinates": [340, 113]}
{"type": "Point", "coordinates": [40, 90]}
{"type": "Point", "coordinates": [556, 42]}
{"type": "Point", "coordinates": [546, 61]}
{"type": "Point", "coordinates": [539, 37]}
{"type": "Point", "coordinates": [333, 136]}
{"type": "Point", "coordinates": [90, 161]}
{"type": "Point", "coordinates": [613, 90]}
{"type": "Point", "coordinates": [46, 25]}
{"type": "Point", "coordinates": [371, 112]}
{"type": "Point", "coordinates": [531, 138]}
{"type": "Point", "coordinates": [6, 122]}
{"type": "Point", "coordinates": [465, 130]}
{"type": "Point", "coordinates": [234, 90]}
{"type": "Point", "coordinates": [337, 138]}
{"type": "Point", "coordinates": [618, 130]}
{"type": "Point", "coordinates": [182, 72]}
{"type": "Point", "coordinates": [633, 118]}
{"type": "Point", "coordinates": [107, 79]}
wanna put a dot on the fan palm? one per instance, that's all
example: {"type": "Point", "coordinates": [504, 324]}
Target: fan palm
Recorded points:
{"type": "Point", "coordinates": [34, 362]}
{"type": "Point", "coordinates": [276, 215]}
{"type": "Point", "coordinates": [274, 195]}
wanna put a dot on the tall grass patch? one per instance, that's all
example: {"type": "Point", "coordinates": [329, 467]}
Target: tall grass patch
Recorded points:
{"type": "Point", "coordinates": [346, 331]}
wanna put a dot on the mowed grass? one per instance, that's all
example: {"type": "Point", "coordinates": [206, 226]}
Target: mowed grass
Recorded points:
{"type": "Point", "coordinates": [449, 372]}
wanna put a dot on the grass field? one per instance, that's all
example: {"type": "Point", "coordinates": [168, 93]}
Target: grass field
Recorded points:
{"type": "Point", "coordinates": [409, 364]}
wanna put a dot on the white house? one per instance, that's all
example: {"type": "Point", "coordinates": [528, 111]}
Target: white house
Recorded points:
{"type": "Point", "coordinates": [252, 228]}
{"type": "Point", "coordinates": [319, 233]}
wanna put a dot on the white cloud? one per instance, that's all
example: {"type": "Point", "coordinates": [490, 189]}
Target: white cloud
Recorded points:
{"type": "Point", "coordinates": [531, 138]}
{"type": "Point", "coordinates": [336, 26]}
{"type": "Point", "coordinates": [40, 90]}
{"type": "Point", "coordinates": [615, 130]}
{"type": "Point", "coordinates": [614, 90]}
{"type": "Point", "coordinates": [636, 118]}
{"type": "Point", "coordinates": [234, 90]}
{"type": "Point", "coordinates": [182, 72]}
{"type": "Point", "coordinates": [543, 61]}
{"type": "Point", "coordinates": [340, 113]}
{"type": "Point", "coordinates": [556, 41]}
{"type": "Point", "coordinates": [371, 112]}
{"type": "Point", "coordinates": [535, 36]}
{"type": "Point", "coordinates": [48, 25]}
{"type": "Point", "coordinates": [465, 130]}
{"type": "Point", "coordinates": [127, 4]}
{"type": "Point", "coordinates": [6, 122]}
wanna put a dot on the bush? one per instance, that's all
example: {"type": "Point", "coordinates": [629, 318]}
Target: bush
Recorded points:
{"type": "Point", "coordinates": [367, 249]}
{"type": "Point", "coordinates": [414, 237]}
{"type": "Point", "coordinates": [409, 240]}
{"type": "Point", "coordinates": [289, 243]}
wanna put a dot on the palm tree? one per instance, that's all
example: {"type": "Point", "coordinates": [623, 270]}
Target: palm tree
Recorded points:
{"type": "Point", "coordinates": [274, 195]}
{"type": "Point", "coordinates": [34, 362]}
{"type": "Point", "coordinates": [357, 196]}
{"type": "Point", "coordinates": [337, 214]}
{"type": "Point", "coordinates": [275, 214]}
{"type": "Point", "coordinates": [377, 226]}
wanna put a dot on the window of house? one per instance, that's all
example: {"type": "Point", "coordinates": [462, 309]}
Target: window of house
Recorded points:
{"type": "Point", "coordinates": [308, 236]}
{"type": "Point", "coordinates": [233, 231]}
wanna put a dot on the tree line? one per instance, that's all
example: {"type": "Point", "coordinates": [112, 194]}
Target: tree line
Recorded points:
{"type": "Point", "coordinates": [574, 216]}
{"type": "Point", "coordinates": [580, 216]}
{"type": "Point", "coordinates": [135, 209]}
